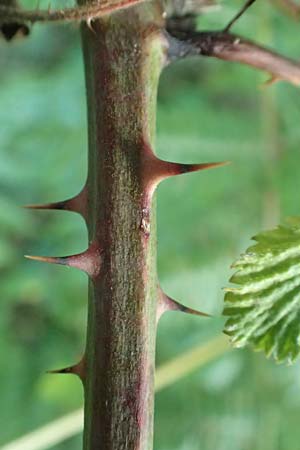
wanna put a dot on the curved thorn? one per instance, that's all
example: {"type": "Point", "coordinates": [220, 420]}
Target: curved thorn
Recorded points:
{"type": "Point", "coordinates": [76, 204]}
{"type": "Point", "coordinates": [78, 369]}
{"type": "Point", "coordinates": [89, 22]}
{"type": "Point", "coordinates": [88, 261]}
{"type": "Point", "coordinates": [166, 303]}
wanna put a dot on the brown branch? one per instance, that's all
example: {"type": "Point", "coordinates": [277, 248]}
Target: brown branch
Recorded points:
{"type": "Point", "coordinates": [230, 47]}
{"type": "Point", "coordinates": [87, 12]}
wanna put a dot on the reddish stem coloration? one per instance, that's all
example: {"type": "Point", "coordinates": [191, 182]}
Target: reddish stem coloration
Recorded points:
{"type": "Point", "coordinates": [123, 56]}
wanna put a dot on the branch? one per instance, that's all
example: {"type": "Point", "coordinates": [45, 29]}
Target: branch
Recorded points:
{"type": "Point", "coordinates": [231, 47]}
{"type": "Point", "coordinates": [87, 12]}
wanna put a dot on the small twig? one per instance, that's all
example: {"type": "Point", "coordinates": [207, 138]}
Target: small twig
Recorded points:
{"type": "Point", "coordinates": [231, 47]}
{"type": "Point", "coordinates": [10, 14]}
{"type": "Point", "coordinates": [239, 14]}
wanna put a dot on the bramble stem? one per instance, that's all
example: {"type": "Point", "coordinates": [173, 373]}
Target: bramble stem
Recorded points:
{"type": "Point", "coordinates": [123, 56]}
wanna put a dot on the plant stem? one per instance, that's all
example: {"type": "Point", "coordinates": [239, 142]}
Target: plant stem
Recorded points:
{"type": "Point", "coordinates": [271, 138]}
{"type": "Point", "coordinates": [123, 56]}
{"type": "Point", "coordinates": [172, 371]}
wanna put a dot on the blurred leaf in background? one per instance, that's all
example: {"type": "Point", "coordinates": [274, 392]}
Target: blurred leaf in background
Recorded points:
{"type": "Point", "coordinates": [207, 111]}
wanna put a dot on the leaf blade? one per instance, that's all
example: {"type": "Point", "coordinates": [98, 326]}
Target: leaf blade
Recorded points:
{"type": "Point", "coordinates": [263, 311]}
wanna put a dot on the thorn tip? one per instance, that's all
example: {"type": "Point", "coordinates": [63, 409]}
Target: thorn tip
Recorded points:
{"type": "Point", "coordinates": [168, 304]}
{"type": "Point", "coordinates": [87, 261]}
{"type": "Point", "coordinates": [75, 204]}
{"type": "Point", "coordinates": [77, 369]}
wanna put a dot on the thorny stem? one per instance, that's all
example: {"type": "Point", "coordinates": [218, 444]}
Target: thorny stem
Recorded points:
{"type": "Point", "coordinates": [218, 44]}
{"type": "Point", "coordinates": [123, 55]}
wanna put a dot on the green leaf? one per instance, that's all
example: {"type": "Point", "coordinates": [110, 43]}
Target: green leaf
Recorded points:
{"type": "Point", "coordinates": [264, 311]}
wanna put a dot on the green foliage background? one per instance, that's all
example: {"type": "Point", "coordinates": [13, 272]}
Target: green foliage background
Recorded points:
{"type": "Point", "coordinates": [207, 111]}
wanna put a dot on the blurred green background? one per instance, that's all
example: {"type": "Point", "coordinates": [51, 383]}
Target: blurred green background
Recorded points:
{"type": "Point", "coordinates": [207, 111]}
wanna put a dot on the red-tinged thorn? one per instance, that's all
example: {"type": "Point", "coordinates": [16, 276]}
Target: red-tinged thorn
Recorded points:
{"type": "Point", "coordinates": [156, 170]}
{"type": "Point", "coordinates": [77, 369]}
{"type": "Point", "coordinates": [166, 303]}
{"type": "Point", "coordinates": [186, 168]}
{"type": "Point", "coordinates": [76, 204]}
{"type": "Point", "coordinates": [88, 261]}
